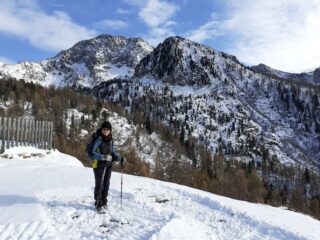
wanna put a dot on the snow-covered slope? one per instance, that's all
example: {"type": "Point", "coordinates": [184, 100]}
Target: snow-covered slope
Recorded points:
{"type": "Point", "coordinates": [180, 61]}
{"type": "Point", "coordinates": [86, 64]}
{"type": "Point", "coordinates": [48, 195]}
{"type": "Point", "coordinates": [30, 72]}
{"type": "Point", "coordinates": [218, 100]}
{"type": "Point", "coordinates": [311, 77]}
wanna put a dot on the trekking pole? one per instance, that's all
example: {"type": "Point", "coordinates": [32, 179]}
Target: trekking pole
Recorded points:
{"type": "Point", "coordinates": [121, 184]}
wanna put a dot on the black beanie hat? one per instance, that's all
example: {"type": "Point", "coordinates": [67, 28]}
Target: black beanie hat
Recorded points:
{"type": "Point", "coordinates": [106, 124]}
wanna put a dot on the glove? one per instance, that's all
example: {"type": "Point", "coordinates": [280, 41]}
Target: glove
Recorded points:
{"type": "Point", "coordinates": [122, 160]}
{"type": "Point", "coordinates": [106, 157]}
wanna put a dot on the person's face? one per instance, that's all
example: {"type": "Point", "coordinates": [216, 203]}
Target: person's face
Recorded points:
{"type": "Point", "coordinates": [105, 131]}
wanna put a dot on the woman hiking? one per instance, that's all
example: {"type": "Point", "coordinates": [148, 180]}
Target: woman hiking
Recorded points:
{"type": "Point", "coordinates": [103, 157]}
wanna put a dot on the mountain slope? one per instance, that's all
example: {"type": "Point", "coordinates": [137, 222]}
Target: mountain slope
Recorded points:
{"type": "Point", "coordinates": [180, 61]}
{"type": "Point", "coordinates": [85, 64]}
{"type": "Point", "coordinates": [226, 105]}
{"type": "Point", "coordinates": [198, 92]}
{"type": "Point", "coordinates": [310, 77]}
{"type": "Point", "coordinates": [60, 206]}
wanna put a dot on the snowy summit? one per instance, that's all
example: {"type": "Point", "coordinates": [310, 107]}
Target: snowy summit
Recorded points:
{"type": "Point", "coordinates": [48, 195]}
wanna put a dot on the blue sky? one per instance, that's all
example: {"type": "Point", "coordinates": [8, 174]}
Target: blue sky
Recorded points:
{"type": "Point", "coordinates": [283, 34]}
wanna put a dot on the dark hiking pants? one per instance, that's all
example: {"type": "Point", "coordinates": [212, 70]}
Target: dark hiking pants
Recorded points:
{"type": "Point", "coordinates": [98, 174]}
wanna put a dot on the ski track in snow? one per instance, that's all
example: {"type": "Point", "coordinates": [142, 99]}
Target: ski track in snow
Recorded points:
{"type": "Point", "coordinates": [76, 218]}
{"type": "Point", "coordinates": [26, 230]}
{"type": "Point", "coordinates": [147, 212]}
{"type": "Point", "coordinates": [151, 212]}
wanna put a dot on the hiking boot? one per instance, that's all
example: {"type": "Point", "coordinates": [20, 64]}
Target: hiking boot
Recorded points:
{"type": "Point", "coordinates": [98, 204]}
{"type": "Point", "coordinates": [104, 202]}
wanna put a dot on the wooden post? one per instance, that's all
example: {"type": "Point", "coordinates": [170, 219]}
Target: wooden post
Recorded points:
{"type": "Point", "coordinates": [23, 128]}
{"type": "Point", "coordinates": [47, 135]}
{"type": "Point", "coordinates": [19, 132]}
{"type": "Point", "coordinates": [29, 132]}
{"type": "Point", "coordinates": [37, 134]}
{"type": "Point", "coordinates": [26, 132]}
{"type": "Point", "coordinates": [5, 132]}
{"type": "Point", "coordinates": [33, 142]}
{"type": "Point", "coordinates": [50, 135]}
{"type": "Point", "coordinates": [42, 130]}
{"type": "Point", "coordinates": [2, 124]}
{"type": "Point", "coordinates": [40, 135]}
{"type": "Point", "coordinates": [8, 132]}
{"type": "Point", "coordinates": [44, 135]}
{"type": "Point", "coordinates": [14, 132]}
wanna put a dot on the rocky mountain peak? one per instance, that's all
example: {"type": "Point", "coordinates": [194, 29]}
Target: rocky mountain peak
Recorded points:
{"type": "Point", "coordinates": [179, 61]}
{"type": "Point", "coordinates": [86, 64]}
{"type": "Point", "coordinates": [261, 68]}
{"type": "Point", "coordinates": [106, 48]}
{"type": "Point", "coordinates": [99, 59]}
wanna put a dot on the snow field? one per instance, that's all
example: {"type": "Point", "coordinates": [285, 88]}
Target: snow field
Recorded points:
{"type": "Point", "coordinates": [50, 196]}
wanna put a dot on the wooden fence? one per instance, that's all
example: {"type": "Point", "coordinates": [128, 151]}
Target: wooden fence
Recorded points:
{"type": "Point", "coordinates": [25, 132]}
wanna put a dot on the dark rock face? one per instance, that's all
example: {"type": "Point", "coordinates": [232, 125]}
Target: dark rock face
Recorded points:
{"type": "Point", "coordinates": [316, 75]}
{"type": "Point", "coordinates": [169, 63]}
{"type": "Point", "coordinates": [261, 68]}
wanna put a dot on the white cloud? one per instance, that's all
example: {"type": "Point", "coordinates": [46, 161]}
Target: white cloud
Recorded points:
{"type": "Point", "coordinates": [283, 34]}
{"type": "Point", "coordinates": [7, 60]}
{"type": "Point", "coordinates": [113, 24]}
{"type": "Point", "coordinates": [157, 15]}
{"type": "Point", "coordinates": [157, 12]}
{"type": "Point", "coordinates": [210, 30]}
{"type": "Point", "coordinates": [169, 24]}
{"type": "Point", "coordinates": [157, 35]}
{"type": "Point", "coordinates": [48, 32]}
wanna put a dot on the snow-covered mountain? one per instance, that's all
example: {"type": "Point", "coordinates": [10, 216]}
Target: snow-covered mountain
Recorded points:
{"type": "Point", "coordinates": [310, 77]}
{"type": "Point", "coordinates": [182, 62]}
{"type": "Point", "coordinates": [48, 195]}
{"type": "Point", "coordinates": [197, 91]}
{"type": "Point", "coordinates": [86, 64]}
{"type": "Point", "coordinates": [226, 105]}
